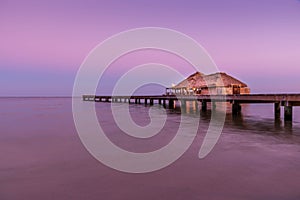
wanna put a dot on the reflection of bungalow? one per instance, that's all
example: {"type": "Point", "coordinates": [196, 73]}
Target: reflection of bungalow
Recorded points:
{"type": "Point", "coordinates": [218, 83]}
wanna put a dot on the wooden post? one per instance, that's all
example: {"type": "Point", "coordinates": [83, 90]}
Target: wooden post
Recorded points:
{"type": "Point", "coordinates": [288, 112]}
{"type": "Point", "coordinates": [196, 106]}
{"type": "Point", "coordinates": [164, 103]}
{"type": "Point", "coordinates": [183, 106]}
{"type": "Point", "coordinates": [159, 101]}
{"type": "Point", "coordinates": [277, 110]}
{"type": "Point", "coordinates": [236, 108]}
{"type": "Point", "coordinates": [135, 101]}
{"type": "Point", "coordinates": [213, 105]}
{"type": "Point", "coordinates": [204, 106]}
{"type": "Point", "coordinates": [183, 103]}
{"type": "Point", "coordinates": [171, 103]}
{"type": "Point", "coordinates": [151, 102]}
{"type": "Point", "coordinates": [146, 101]}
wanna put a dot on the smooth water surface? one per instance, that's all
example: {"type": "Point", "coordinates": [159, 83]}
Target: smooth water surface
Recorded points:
{"type": "Point", "coordinates": [42, 157]}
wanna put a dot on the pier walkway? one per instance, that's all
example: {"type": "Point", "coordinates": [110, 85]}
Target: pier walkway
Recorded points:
{"type": "Point", "coordinates": [288, 101]}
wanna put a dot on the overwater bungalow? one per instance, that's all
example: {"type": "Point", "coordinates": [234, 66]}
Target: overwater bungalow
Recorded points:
{"type": "Point", "coordinates": [201, 84]}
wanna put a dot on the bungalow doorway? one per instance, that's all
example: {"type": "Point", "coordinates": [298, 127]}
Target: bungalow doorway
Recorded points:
{"type": "Point", "coordinates": [236, 89]}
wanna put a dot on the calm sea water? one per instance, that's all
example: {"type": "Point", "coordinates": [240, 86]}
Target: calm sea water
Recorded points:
{"type": "Point", "coordinates": [42, 157]}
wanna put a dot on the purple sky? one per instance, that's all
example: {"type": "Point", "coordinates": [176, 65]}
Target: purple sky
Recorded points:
{"type": "Point", "coordinates": [42, 44]}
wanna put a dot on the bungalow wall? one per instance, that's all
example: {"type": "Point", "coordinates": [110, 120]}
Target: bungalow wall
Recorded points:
{"type": "Point", "coordinates": [224, 90]}
{"type": "Point", "coordinates": [245, 90]}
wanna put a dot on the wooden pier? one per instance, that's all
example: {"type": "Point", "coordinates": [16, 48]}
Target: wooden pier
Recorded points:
{"type": "Point", "coordinates": [288, 101]}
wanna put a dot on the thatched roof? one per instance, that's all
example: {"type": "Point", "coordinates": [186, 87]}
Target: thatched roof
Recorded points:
{"type": "Point", "coordinates": [190, 80]}
{"type": "Point", "coordinates": [199, 80]}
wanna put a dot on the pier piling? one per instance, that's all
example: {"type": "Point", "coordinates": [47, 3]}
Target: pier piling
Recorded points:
{"type": "Point", "coordinates": [213, 105]}
{"type": "Point", "coordinates": [204, 106]}
{"type": "Point", "coordinates": [236, 108]}
{"type": "Point", "coordinates": [288, 112]}
{"type": "Point", "coordinates": [151, 102]}
{"type": "Point", "coordinates": [171, 103]}
{"type": "Point", "coordinates": [277, 110]}
{"type": "Point", "coordinates": [183, 103]}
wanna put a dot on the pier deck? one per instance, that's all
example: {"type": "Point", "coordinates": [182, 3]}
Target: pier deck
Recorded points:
{"type": "Point", "coordinates": [285, 100]}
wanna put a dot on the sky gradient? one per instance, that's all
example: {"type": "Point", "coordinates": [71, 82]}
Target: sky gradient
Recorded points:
{"type": "Point", "coordinates": [43, 43]}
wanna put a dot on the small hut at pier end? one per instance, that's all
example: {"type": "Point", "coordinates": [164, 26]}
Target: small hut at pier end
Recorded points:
{"type": "Point", "coordinates": [212, 84]}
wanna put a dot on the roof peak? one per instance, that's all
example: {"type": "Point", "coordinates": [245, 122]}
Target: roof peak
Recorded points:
{"type": "Point", "coordinates": [196, 73]}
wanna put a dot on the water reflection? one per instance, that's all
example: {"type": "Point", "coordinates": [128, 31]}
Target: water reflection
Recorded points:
{"type": "Point", "coordinates": [243, 120]}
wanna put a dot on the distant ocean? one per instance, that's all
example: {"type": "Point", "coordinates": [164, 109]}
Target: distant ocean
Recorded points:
{"type": "Point", "coordinates": [42, 157]}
